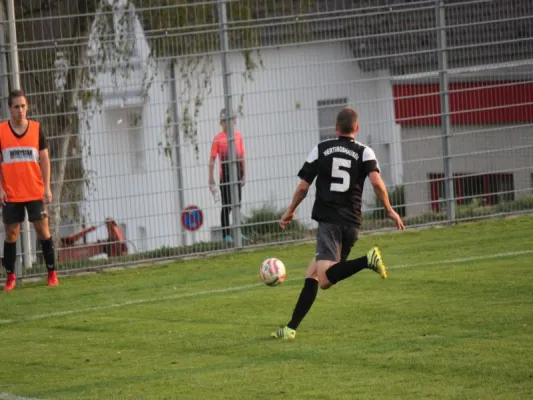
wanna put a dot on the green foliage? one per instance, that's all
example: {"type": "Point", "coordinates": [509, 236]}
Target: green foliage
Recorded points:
{"type": "Point", "coordinates": [194, 80]}
{"type": "Point", "coordinates": [191, 27]}
{"type": "Point", "coordinates": [263, 226]}
{"type": "Point", "coordinates": [473, 210]}
{"type": "Point", "coordinates": [110, 50]}
{"type": "Point", "coordinates": [185, 30]}
{"type": "Point", "coordinates": [523, 203]}
{"type": "Point", "coordinates": [188, 32]}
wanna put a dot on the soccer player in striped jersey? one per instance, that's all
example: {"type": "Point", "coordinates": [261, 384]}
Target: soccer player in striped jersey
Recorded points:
{"type": "Point", "coordinates": [340, 167]}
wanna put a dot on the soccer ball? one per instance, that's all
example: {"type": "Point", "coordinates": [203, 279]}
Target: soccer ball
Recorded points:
{"type": "Point", "coordinates": [272, 272]}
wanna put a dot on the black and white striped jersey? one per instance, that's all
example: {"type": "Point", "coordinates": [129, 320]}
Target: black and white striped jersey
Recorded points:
{"type": "Point", "coordinates": [340, 167]}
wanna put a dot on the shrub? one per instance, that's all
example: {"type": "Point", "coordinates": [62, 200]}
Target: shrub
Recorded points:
{"type": "Point", "coordinates": [522, 204]}
{"type": "Point", "coordinates": [264, 223]}
{"type": "Point", "coordinates": [262, 226]}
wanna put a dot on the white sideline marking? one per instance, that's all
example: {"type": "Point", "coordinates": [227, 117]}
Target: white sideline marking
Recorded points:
{"type": "Point", "coordinates": [128, 303]}
{"type": "Point", "coordinates": [467, 259]}
{"type": "Point", "coordinates": [7, 396]}
{"type": "Point", "coordinates": [237, 288]}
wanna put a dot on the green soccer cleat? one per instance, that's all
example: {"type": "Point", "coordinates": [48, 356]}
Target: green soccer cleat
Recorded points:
{"type": "Point", "coordinates": [375, 262]}
{"type": "Point", "coordinates": [285, 333]}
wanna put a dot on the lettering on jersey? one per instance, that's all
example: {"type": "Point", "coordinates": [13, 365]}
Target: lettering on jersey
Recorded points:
{"type": "Point", "coordinates": [20, 154]}
{"type": "Point", "coordinates": [340, 149]}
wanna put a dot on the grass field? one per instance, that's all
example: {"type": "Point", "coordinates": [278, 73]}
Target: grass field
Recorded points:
{"type": "Point", "coordinates": [454, 320]}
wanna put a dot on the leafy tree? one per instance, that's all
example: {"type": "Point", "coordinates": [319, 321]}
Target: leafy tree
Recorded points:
{"type": "Point", "coordinates": [64, 44]}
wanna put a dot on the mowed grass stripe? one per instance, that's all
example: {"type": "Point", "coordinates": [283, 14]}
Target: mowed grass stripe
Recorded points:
{"type": "Point", "coordinates": [460, 331]}
{"type": "Point", "coordinates": [429, 332]}
{"type": "Point", "coordinates": [241, 288]}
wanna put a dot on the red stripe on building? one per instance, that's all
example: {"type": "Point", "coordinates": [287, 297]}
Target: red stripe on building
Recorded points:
{"type": "Point", "coordinates": [470, 103]}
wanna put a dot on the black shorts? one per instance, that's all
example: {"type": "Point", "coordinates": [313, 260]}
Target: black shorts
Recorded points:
{"type": "Point", "coordinates": [225, 193]}
{"type": "Point", "coordinates": [13, 213]}
{"type": "Point", "coordinates": [334, 242]}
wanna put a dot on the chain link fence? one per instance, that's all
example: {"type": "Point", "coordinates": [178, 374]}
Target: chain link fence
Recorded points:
{"type": "Point", "coordinates": [130, 94]}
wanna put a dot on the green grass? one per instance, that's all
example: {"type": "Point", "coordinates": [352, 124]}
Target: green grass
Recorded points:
{"type": "Point", "coordinates": [445, 330]}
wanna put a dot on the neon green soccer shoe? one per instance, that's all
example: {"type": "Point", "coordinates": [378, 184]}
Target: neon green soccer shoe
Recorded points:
{"type": "Point", "coordinates": [375, 262]}
{"type": "Point", "coordinates": [284, 333]}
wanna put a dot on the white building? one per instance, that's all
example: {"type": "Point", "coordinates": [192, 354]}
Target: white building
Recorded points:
{"type": "Point", "coordinates": [491, 136]}
{"type": "Point", "coordinates": [288, 106]}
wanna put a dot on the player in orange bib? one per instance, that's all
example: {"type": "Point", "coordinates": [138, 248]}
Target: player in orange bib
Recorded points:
{"type": "Point", "coordinates": [24, 184]}
{"type": "Point", "coordinates": [220, 149]}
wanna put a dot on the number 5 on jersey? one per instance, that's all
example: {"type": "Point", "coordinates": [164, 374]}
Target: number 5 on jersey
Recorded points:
{"type": "Point", "coordinates": [337, 172]}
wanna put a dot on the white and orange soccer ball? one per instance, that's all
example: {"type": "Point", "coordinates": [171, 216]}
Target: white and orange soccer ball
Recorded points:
{"type": "Point", "coordinates": [272, 272]}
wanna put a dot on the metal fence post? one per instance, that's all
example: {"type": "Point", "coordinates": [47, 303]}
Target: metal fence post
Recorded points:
{"type": "Point", "coordinates": [226, 81]}
{"type": "Point", "coordinates": [445, 109]}
{"type": "Point", "coordinates": [15, 84]}
{"type": "Point", "coordinates": [177, 147]}
{"type": "Point", "coordinates": [4, 77]}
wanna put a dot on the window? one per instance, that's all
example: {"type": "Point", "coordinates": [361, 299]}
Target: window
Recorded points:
{"type": "Point", "coordinates": [327, 114]}
{"type": "Point", "coordinates": [487, 189]}
{"type": "Point", "coordinates": [136, 140]}
{"type": "Point", "coordinates": [127, 127]}
{"type": "Point", "coordinates": [500, 187]}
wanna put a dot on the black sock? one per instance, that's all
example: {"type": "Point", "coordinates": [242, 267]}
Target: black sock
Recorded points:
{"type": "Point", "coordinates": [304, 303]}
{"type": "Point", "coordinates": [48, 253]}
{"type": "Point", "coordinates": [343, 270]}
{"type": "Point", "coordinates": [10, 256]}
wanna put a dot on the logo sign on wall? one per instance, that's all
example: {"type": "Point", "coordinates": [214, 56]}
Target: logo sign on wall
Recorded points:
{"type": "Point", "coordinates": [192, 218]}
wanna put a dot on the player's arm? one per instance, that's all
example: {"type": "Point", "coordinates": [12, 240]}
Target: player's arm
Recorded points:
{"type": "Point", "coordinates": [380, 189]}
{"type": "Point", "coordinates": [307, 174]}
{"type": "Point", "coordinates": [299, 195]}
{"type": "Point", "coordinates": [211, 171]}
{"type": "Point", "coordinates": [212, 158]}
{"type": "Point", "coordinates": [44, 161]}
{"type": "Point", "coordinates": [3, 195]}
{"type": "Point", "coordinates": [45, 167]}
{"type": "Point", "coordinates": [381, 192]}
{"type": "Point", "coordinates": [371, 167]}
{"type": "Point", "coordinates": [241, 158]}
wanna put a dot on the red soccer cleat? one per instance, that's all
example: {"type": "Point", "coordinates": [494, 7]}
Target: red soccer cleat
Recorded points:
{"type": "Point", "coordinates": [11, 282]}
{"type": "Point", "coordinates": [52, 278]}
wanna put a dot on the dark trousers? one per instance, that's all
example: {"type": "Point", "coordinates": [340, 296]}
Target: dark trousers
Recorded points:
{"type": "Point", "coordinates": [225, 192]}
